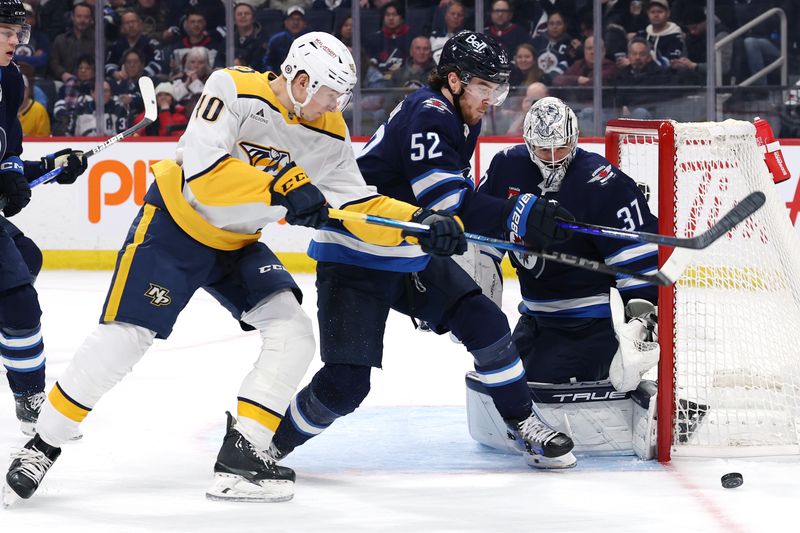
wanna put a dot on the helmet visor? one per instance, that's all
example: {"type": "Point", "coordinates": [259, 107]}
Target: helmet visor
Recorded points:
{"type": "Point", "coordinates": [496, 93]}
{"type": "Point", "coordinates": [23, 35]}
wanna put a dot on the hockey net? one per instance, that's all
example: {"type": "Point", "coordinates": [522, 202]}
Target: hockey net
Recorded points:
{"type": "Point", "coordinates": [729, 329]}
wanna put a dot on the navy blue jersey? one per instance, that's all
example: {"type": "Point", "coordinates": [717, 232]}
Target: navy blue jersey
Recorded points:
{"type": "Point", "coordinates": [11, 92]}
{"type": "Point", "coordinates": [594, 191]}
{"type": "Point", "coordinates": [420, 155]}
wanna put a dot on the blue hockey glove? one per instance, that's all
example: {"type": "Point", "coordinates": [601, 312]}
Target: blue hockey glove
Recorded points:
{"type": "Point", "coordinates": [72, 163]}
{"type": "Point", "coordinates": [533, 219]}
{"type": "Point", "coordinates": [304, 203]}
{"type": "Point", "coordinates": [15, 193]}
{"type": "Point", "coordinates": [446, 235]}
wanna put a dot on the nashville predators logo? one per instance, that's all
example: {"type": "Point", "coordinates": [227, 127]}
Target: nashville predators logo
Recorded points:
{"type": "Point", "coordinates": [159, 296]}
{"type": "Point", "coordinates": [266, 158]}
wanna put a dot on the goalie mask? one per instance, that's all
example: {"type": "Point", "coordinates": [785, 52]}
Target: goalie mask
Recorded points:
{"type": "Point", "coordinates": [550, 131]}
{"type": "Point", "coordinates": [326, 61]}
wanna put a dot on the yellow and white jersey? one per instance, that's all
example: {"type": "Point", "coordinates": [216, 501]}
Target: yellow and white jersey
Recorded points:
{"type": "Point", "coordinates": [238, 137]}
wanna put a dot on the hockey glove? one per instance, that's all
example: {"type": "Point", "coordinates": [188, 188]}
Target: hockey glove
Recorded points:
{"type": "Point", "coordinates": [72, 163]}
{"type": "Point", "coordinates": [14, 188]}
{"type": "Point", "coordinates": [533, 219]}
{"type": "Point", "coordinates": [304, 203]}
{"type": "Point", "coordinates": [446, 235]}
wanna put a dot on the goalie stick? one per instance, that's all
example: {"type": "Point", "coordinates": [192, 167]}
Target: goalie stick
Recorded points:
{"type": "Point", "coordinates": [746, 207]}
{"type": "Point", "coordinates": [150, 115]}
{"type": "Point", "coordinates": [666, 275]}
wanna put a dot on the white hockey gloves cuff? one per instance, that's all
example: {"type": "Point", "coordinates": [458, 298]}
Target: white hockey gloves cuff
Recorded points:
{"type": "Point", "coordinates": [638, 349]}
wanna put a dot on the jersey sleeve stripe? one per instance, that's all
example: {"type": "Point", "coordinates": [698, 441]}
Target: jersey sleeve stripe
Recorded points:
{"type": "Point", "coordinates": [433, 178]}
{"type": "Point", "coordinates": [632, 253]}
{"type": "Point", "coordinates": [211, 167]}
{"type": "Point", "coordinates": [448, 202]}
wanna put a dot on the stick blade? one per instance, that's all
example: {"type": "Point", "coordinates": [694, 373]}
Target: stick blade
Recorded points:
{"type": "Point", "coordinates": [148, 93]}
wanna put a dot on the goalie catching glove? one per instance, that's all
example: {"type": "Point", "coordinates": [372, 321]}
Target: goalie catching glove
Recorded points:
{"type": "Point", "coordinates": [533, 219]}
{"type": "Point", "coordinates": [638, 349]}
{"type": "Point", "coordinates": [445, 236]}
{"type": "Point", "coordinates": [304, 203]}
{"type": "Point", "coordinates": [71, 162]}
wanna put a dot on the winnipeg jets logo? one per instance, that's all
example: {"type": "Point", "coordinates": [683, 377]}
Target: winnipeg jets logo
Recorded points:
{"type": "Point", "coordinates": [267, 158]}
{"type": "Point", "coordinates": [438, 105]}
{"type": "Point", "coordinates": [546, 117]}
{"type": "Point", "coordinates": [602, 175]}
{"type": "Point", "coordinates": [534, 264]}
{"type": "Point", "coordinates": [159, 296]}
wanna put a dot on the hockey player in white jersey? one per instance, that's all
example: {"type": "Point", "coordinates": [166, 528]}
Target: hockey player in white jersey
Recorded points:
{"type": "Point", "coordinates": [257, 148]}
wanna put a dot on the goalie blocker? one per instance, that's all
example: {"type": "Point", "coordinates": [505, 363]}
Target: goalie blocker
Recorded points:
{"type": "Point", "coordinates": [599, 419]}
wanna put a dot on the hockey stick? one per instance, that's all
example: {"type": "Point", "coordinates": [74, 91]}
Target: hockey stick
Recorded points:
{"type": "Point", "coordinates": [150, 115]}
{"type": "Point", "coordinates": [667, 275]}
{"type": "Point", "coordinates": [746, 207]}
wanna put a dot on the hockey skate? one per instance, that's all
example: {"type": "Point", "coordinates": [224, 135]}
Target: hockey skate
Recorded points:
{"type": "Point", "coordinates": [244, 474]}
{"type": "Point", "coordinates": [28, 466]}
{"type": "Point", "coordinates": [542, 446]}
{"type": "Point", "coordinates": [28, 407]}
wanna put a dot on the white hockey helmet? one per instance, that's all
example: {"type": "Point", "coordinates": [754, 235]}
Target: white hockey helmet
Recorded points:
{"type": "Point", "coordinates": [326, 60]}
{"type": "Point", "coordinates": [550, 131]}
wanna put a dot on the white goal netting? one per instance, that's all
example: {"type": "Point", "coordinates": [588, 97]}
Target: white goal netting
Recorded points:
{"type": "Point", "coordinates": [735, 337]}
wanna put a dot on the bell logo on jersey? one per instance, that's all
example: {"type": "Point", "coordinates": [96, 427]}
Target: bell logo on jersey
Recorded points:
{"type": "Point", "coordinates": [602, 175]}
{"type": "Point", "coordinates": [159, 296]}
{"type": "Point", "coordinates": [268, 158]}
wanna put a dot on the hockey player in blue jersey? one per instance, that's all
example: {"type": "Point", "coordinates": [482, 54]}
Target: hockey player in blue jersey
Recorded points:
{"type": "Point", "coordinates": [565, 332]}
{"type": "Point", "coordinates": [422, 155]}
{"type": "Point", "coordinates": [21, 344]}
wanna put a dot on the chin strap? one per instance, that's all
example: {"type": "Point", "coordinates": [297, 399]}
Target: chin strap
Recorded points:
{"type": "Point", "coordinates": [297, 107]}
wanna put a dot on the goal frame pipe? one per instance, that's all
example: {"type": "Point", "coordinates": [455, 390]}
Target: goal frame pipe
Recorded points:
{"type": "Point", "coordinates": [664, 132]}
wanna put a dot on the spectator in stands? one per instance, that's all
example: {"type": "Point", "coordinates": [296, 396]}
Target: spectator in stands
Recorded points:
{"type": "Point", "coordinates": [642, 71]}
{"type": "Point", "coordinates": [172, 118]}
{"type": "Point", "coordinates": [414, 73]}
{"type": "Point", "coordinates": [154, 17]}
{"type": "Point", "coordinates": [249, 39]}
{"type": "Point", "coordinates": [72, 44]}
{"type": "Point", "coordinates": [388, 47]}
{"type": "Point", "coordinates": [535, 92]}
{"type": "Point", "coordinates": [665, 37]}
{"type": "Point", "coordinates": [196, 70]}
{"type": "Point", "coordinates": [75, 117]}
{"type": "Point", "coordinates": [694, 17]}
{"type": "Point", "coordinates": [581, 74]}
{"type": "Point", "coordinates": [278, 47]}
{"type": "Point", "coordinates": [330, 5]}
{"type": "Point", "coordinates": [82, 80]}
{"type": "Point", "coordinates": [36, 51]}
{"type": "Point", "coordinates": [211, 10]}
{"type": "Point", "coordinates": [126, 89]}
{"type": "Point", "coordinates": [51, 17]}
{"type": "Point", "coordinates": [132, 37]}
{"type": "Point", "coordinates": [509, 34]}
{"type": "Point", "coordinates": [345, 32]}
{"type": "Point", "coordinates": [553, 47]}
{"type": "Point", "coordinates": [454, 23]}
{"type": "Point", "coordinates": [762, 41]}
{"type": "Point", "coordinates": [195, 35]}
{"type": "Point", "coordinates": [526, 69]}
{"type": "Point", "coordinates": [32, 115]}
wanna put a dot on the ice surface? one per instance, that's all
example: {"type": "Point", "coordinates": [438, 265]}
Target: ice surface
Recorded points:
{"type": "Point", "coordinates": [403, 462]}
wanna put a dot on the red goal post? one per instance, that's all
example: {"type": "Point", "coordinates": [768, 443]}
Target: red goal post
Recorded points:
{"type": "Point", "coordinates": [729, 373]}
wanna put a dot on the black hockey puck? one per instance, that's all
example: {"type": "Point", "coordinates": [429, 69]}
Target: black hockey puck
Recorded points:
{"type": "Point", "coordinates": [732, 480]}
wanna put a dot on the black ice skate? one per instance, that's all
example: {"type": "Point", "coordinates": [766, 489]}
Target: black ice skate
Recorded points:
{"type": "Point", "coordinates": [243, 473]}
{"type": "Point", "coordinates": [28, 407]}
{"type": "Point", "coordinates": [543, 446]}
{"type": "Point", "coordinates": [28, 466]}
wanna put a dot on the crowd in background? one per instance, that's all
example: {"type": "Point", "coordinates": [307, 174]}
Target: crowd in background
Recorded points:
{"type": "Point", "coordinates": [650, 43]}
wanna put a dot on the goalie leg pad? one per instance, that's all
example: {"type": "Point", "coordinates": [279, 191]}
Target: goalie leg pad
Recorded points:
{"type": "Point", "coordinates": [286, 351]}
{"type": "Point", "coordinates": [104, 358]}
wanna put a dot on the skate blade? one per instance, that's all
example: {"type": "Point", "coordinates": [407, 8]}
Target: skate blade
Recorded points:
{"type": "Point", "coordinates": [9, 496]}
{"type": "Point", "coordinates": [562, 462]}
{"type": "Point", "coordinates": [233, 488]}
